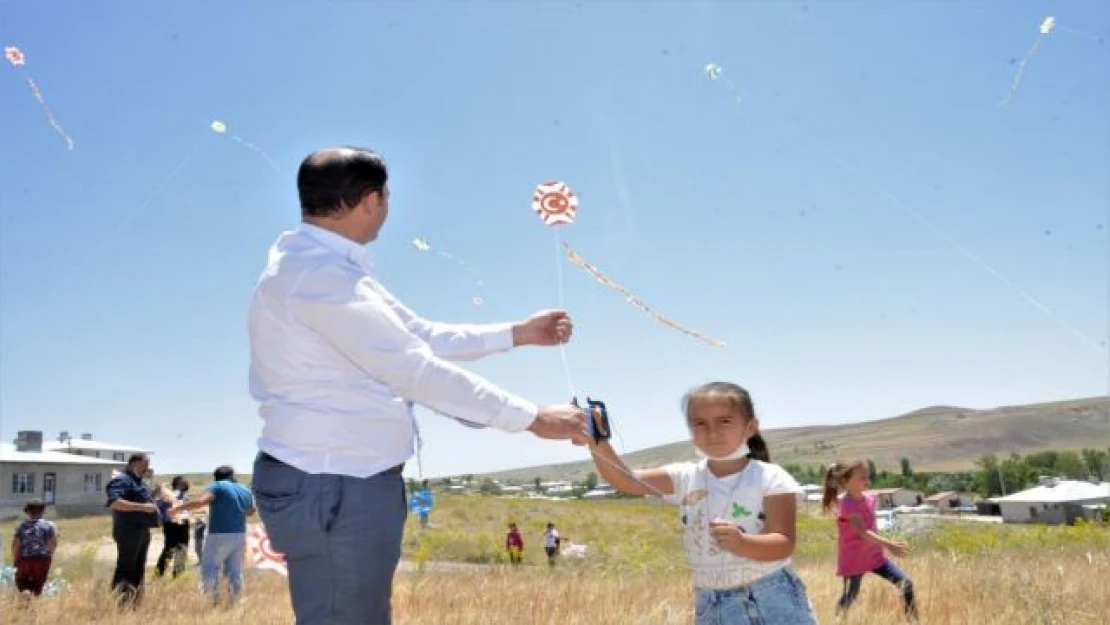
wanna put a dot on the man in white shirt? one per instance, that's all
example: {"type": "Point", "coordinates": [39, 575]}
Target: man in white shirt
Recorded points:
{"type": "Point", "coordinates": [336, 365]}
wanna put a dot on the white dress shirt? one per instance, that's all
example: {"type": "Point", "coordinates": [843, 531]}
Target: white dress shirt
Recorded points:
{"type": "Point", "coordinates": [337, 362]}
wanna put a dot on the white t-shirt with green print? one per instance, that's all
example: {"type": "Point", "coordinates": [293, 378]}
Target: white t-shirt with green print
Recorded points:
{"type": "Point", "coordinates": [701, 497]}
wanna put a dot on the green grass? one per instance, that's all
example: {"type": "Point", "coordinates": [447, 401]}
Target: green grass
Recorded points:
{"type": "Point", "coordinates": [638, 535]}
{"type": "Point", "coordinates": [645, 535]}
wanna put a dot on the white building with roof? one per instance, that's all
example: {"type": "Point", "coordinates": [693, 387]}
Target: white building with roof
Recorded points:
{"type": "Point", "coordinates": [1054, 501]}
{"type": "Point", "coordinates": [70, 480]}
{"type": "Point", "coordinates": [86, 446]}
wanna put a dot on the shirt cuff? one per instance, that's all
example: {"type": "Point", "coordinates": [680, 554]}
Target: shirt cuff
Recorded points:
{"type": "Point", "coordinates": [499, 338]}
{"type": "Point", "coordinates": [516, 415]}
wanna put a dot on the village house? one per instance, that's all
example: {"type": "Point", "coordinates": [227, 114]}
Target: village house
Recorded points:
{"type": "Point", "coordinates": [890, 498]}
{"type": "Point", "coordinates": [1055, 501]}
{"type": "Point", "coordinates": [86, 446]}
{"type": "Point", "coordinates": [68, 482]}
{"type": "Point", "coordinates": [950, 501]}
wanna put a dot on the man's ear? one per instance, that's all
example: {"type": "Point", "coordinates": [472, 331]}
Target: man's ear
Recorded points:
{"type": "Point", "coordinates": [372, 203]}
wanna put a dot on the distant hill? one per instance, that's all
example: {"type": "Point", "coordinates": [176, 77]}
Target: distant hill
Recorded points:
{"type": "Point", "coordinates": [939, 438]}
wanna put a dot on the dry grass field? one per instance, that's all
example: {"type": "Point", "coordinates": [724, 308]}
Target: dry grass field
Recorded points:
{"type": "Point", "coordinates": [964, 573]}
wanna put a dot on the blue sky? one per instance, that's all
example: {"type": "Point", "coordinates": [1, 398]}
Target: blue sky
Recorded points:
{"type": "Point", "coordinates": [124, 288]}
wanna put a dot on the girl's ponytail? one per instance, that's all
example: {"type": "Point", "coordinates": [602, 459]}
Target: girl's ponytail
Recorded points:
{"type": "Point", "coordinates": [837, 474]}
{"type": "Point", "coordinates": [758, 448]}
{"type": "Point", "coordinates": [832, 486]}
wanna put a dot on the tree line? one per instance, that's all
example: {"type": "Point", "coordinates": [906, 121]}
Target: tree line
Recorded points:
{"type": "Point", "coordinates": [992, 476]}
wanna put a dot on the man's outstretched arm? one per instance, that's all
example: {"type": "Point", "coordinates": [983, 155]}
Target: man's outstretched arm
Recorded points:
{"type": "Point", "coordinates": [364, 328]}
{"type": "Point", "coordinates": [461, 342]}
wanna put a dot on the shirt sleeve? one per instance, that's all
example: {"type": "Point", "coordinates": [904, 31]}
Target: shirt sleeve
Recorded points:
{"type": "Point", "coordinates": [360, 325]}
{"type": "Point", "coordinates": [451, 341]}
{"type": "Point", "coordinates": [115, 490]}
{"type": "Point", "coordinates": [777, 481]}
{"type": "Point", "coordinates": [680, 474]}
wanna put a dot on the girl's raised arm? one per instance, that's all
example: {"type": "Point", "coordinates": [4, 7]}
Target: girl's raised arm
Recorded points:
{"type": "Point", "coordinates": [644, 482]}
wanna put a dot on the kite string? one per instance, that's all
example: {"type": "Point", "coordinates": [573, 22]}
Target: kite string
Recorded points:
{"type": "Point", "coordinates": [157, 190]}
{"type": "Point", "coordinates": [570, 380]}
{"type": "Point", "coordinates": [562, 306]}
{"type": "Point", "coordinates": [955, 245]}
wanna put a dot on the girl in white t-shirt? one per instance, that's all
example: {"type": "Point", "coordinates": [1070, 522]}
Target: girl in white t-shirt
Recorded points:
{"type": "Point", "coordinates": [738, 509]}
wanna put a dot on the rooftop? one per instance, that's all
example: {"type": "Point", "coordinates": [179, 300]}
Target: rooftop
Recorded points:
{"type": "Point", "coordinates": [8, 453]}
{"type": "Point", "coordinates": [886, 491]}
{"type": "Point", "coordinates": [948, 494]}
{"type": "Point", "coordinates": [1060, 492]}
{"type": "Point", "coordinates": [82, 444]}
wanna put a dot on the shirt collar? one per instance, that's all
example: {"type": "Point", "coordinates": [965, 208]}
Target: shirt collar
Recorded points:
{"type": "Point", "coordinates": [351, 250]}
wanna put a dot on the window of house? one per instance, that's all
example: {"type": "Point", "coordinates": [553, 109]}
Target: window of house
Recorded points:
{"type": "Point", "coordinates": [92, 483]}
{"type": "Point", "coordinates": [23, 483]}
{"type": "Point", "coordinates": [1033, 511]}
{"type": "Point", "coordinates": [118, 456]}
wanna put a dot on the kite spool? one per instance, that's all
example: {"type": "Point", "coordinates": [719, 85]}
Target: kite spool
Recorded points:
{"type": "Point", "coordinates": [598, 421]}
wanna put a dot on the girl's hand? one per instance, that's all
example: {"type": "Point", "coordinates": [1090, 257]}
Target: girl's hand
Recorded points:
{"type": "Point", "coordinates": [727, 535]}
{"type": "Point", "coordinates": [898, 548]}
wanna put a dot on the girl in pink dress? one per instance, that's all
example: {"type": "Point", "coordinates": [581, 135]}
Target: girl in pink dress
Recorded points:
{"type": "Point", "coordinates": [860, 546]}
{"type": "Point", "coordinates": [514, 544]}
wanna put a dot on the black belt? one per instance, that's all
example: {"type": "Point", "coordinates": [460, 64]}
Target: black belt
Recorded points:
{"type": "Point", "coordinates": [397, 470]}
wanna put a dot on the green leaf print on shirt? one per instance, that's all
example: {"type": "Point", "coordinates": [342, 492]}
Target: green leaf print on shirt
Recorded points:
{"type": "Point", "coordinates": [739, 511]}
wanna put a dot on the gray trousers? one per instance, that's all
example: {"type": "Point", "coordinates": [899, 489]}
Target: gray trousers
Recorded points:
{"type": "Point", "coordinates": [341, 537]}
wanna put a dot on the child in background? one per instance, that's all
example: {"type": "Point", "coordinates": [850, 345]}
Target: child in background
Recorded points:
{"type": "Point", "coordinates": [859, 545]}
{"type": "Point", "coordinates": [33, 547]}
{"type": "Point", "coordinates": [514, 544]}
{"type": "Point", "coordinates": [175, 527]}
{"type": "Point", "coordinates": [200, 527]}
{"type": "Point", "coordinates": [551, 543]}
{"type": "Point", "coordinates": [739, 511]}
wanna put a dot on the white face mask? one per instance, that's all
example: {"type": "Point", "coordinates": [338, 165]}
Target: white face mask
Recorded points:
{"type": "Point", "coordinates": [741, 452]}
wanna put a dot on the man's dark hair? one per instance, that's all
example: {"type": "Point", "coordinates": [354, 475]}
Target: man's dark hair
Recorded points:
{"type": "Point", "coordinates": [179, 481]}
{"type": "Point", "coordinates": [223, 472]}
{"type": "Point", "coordinates": [35, 507]}
{"type": "Point", "coordinates": [330, 182]}
{"type": "Point", "coordinates": [135, 458]}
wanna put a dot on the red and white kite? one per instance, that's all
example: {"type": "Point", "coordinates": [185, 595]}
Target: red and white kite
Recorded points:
{"type": "Point", "coordinates": [16, 57]}
{"type": "Point", "coordinates": [261, 554]}
{"type": "Point", "coordinates": [555, 203]}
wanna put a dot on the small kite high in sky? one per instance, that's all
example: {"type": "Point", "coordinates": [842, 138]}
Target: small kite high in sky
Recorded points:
{"type": "Point", "coordinates": [422, 245]}
{"type": "Point", "coordinates": [716, 73]}
{"type": "Point", "coordinates": [16, 57]}
{"type": "Point", "coordinates": [220, 128]}
{"type": "Point", "coordinates": [1046, 27]}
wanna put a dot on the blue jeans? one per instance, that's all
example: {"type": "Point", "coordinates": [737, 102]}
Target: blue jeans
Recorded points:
{"type": "Point", "coordinates": [891, 573]}
{"type": "Point", "coordinates": [777, 599]}
{"type": "Point", "coordinates": [223, 551]}
{"type": "Point", "coordinates": [341, 537]}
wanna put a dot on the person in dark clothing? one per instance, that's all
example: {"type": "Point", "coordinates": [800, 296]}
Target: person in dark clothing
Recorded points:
{"type": "Point", "coordinates": [133, 514]}
{"type": "Point", "coordinates": [33, 547]}
{"type": "Point", "coordinates": [175, 529]}
{"type": "Point", "coordinates": [200, 528]}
